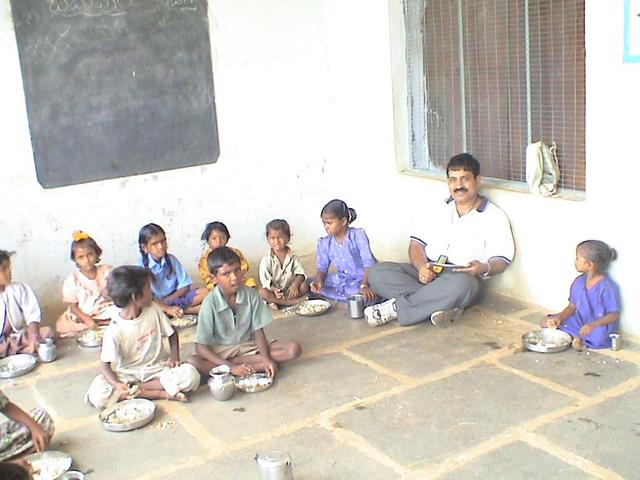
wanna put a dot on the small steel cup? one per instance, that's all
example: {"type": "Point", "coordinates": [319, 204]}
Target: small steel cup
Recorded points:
{"type": "Point", "coordinates": [356, 306]}
{"type": "Point", "coordinates": [616, 341]}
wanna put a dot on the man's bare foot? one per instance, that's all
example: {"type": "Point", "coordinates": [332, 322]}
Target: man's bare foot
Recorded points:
{"type": "Point", "coordinates": [178, 397]}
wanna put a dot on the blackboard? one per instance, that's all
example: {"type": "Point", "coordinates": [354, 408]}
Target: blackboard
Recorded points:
{"type": "Point", "coordinates": [116, 87]}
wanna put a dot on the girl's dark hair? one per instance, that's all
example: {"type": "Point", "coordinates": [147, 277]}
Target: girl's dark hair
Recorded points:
{"type": "Point", "coordinates": [5, 256]}
{"type": "Point", "coordinates": [278, 224]}
{"type": "Point", "coordinates": [599, 253]}
{"type": "Point", "coordinates": [214, 227]}
{"type": "Point", "coordinates": [13, 471]}
{"type": "Point", "coordinates": [221, 256]}
{"type": "Point", "coordinates": [125, 283]}
{"type": "Point", "coordinates": [144, 236]}
{"type": "Point", "coordinates": [87, 242]}
{"type": "Point", "coordinates": [337, 208]}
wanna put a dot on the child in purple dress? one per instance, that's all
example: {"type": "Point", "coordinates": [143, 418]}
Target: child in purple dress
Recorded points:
{"type": "Point", "coordinates": [594, 301]}
{"type": "Point", "coordinates": [348, 249]}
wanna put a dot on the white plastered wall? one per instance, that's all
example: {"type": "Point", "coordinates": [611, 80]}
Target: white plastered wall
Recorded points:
{"type": "Point", "coordinates": [305, 102]}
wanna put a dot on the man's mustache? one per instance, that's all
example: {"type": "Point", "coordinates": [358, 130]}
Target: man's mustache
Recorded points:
{"type": "Point", "coordinates": [460, 189]}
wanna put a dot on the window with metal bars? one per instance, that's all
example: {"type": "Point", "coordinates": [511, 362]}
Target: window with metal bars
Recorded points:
{"type": "Point", "coordinates": [491, 76]}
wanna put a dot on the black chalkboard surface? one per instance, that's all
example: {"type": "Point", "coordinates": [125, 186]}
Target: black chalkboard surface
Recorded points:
{"type": "Point", "coordinates": [116, 87]}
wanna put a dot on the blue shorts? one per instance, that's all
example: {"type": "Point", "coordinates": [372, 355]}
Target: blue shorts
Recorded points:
{"type": "Point", "coordinates": [183, 301]}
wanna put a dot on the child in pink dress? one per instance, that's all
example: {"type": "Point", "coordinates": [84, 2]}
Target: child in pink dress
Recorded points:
{"type": "Point", "coordinates": [85, 289]}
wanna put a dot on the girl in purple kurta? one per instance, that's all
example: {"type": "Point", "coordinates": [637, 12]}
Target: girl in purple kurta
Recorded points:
{"type": "Point", "coordinates": [348, 249]}
{"type": "Point", "coordinates": [594, 301]}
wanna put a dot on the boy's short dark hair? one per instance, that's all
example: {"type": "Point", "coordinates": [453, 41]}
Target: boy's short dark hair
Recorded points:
{"type": "Point", "coordinates": [126, 282]}
{"type": "Point", "coordinates": [464, 161]}
{"type": "Point", "coordinates": [219, 257]}
{"type": "Point", "coordinates": [13, 471]}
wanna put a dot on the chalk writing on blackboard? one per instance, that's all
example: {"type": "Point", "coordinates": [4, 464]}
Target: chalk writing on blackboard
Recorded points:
{"type": "Point", "coordinates": [109, 7]}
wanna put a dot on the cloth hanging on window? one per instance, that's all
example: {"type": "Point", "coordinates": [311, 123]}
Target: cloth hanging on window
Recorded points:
{"type": "Point", "coordinates": [543, 172]}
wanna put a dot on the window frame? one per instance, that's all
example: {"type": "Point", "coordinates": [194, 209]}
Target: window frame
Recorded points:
{"type": "Point", "coordinates": [402, 100]}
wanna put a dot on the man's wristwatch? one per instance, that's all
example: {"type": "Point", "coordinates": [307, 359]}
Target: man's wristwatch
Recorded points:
{"type": "Point", "coordinates": [488, 272]}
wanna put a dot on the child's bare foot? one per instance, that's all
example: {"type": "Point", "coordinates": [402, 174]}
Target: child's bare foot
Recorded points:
{"type": "Point", "coordinates": [178, 397]}
{"type": "Point", "coordinates": [301, 299]}
{"type": "Point", "coordinates": [577, 343]}
{"type": "Point", "coordinates": [273, 306]}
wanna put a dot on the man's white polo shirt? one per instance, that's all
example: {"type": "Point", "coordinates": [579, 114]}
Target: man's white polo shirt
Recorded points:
{"type": "Point", "coordinates": [480, 234]}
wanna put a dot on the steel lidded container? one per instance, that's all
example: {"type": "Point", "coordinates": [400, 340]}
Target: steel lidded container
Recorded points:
{"type": "Point", "coordinates": [274, 465]}
{"type": "Point", "coordinates": [221, 383]}
{"type": "Point", "coordinates": [47, 350]}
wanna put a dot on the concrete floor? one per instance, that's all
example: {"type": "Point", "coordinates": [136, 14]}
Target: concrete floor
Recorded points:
{"type": "Point", "coordinates": [385, 403]}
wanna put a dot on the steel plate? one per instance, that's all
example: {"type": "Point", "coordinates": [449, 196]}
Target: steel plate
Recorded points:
{"type": "Point", "coordinates": [16, 365]}
{"type": "Point", "coordinates": [146, 408]}
{"type": "Point", "coordinates": [547, 340]}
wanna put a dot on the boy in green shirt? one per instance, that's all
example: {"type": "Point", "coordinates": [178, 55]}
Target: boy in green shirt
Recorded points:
{"type": "Point", "coordinates": [230, 324]}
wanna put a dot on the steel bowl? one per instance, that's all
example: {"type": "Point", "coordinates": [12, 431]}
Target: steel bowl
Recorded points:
{"type": "Point", "coordinates": [72, 475]}
{"type": "Point", "coordinates": [547, 340]}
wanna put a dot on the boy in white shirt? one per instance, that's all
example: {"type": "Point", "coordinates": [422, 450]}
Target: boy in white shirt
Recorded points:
{"type": "Point", "coordinates": [133, 360]}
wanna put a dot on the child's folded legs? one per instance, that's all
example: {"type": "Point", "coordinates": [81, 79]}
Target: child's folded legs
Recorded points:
{"type": "Point", "coordinates": [101, 394]}
{"type": "Point", "coordinates": [183, 378]}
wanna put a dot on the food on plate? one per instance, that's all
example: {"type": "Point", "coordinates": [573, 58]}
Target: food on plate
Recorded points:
{"type": "Point", "coordinates": [254, 383]}
{"type": "Point", "coordinates": [92, 336]}
{"type": "Point", "coordinates": [127, 413]}
{"type": "Point", "coordinates": [47, 467]}
{"type": "Point", "coordinates": [310, 308]}
{"type": "Point", "coordinates": [186, 321]}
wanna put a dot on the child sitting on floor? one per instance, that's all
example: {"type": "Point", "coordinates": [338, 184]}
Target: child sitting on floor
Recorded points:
{"type": "Point", "coordinates": [133, 360]}
{"type": "Point", "coordinates": [217, 235]}
{"type": "Point", "coordinates": [23, 432]}
{"type": "Point", "coordinates": [282, 277]}
{"type": "Point", "coordinates": [20, 315]}
{"type": "Point", "coordinates": [594, 300]}
{"type": "Point", "coordinates": [85, 290]}
{"type": "Point", "coordinates": [230, 324]}
{"type": "Point", "coordinates": [171, 285]}
{"type": "Point", "coordinates": [348, 249]}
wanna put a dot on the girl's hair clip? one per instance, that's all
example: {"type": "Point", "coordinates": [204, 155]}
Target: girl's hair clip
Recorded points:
{"type": "Point", "coordinates": [79, 235]}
